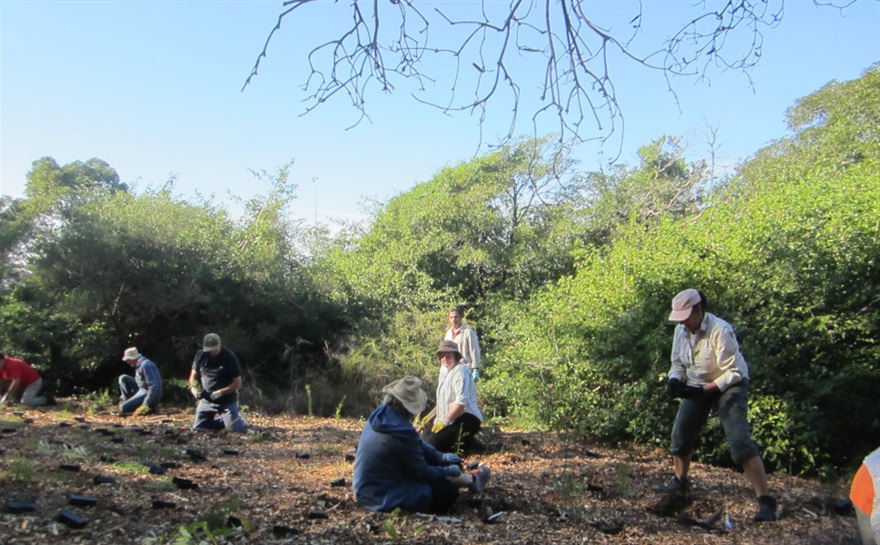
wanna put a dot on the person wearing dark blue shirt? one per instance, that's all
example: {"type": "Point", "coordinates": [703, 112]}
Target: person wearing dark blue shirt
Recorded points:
{"type": "Point", "coordinates": [214, 381]}
{"type": "Point", "coordinates": [139, 394]}
{"type": "Point", "coordinates": [394, 468]}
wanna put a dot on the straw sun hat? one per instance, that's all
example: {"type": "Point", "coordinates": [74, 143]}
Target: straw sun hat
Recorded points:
{"type": "Point", "coordinates": [408, 391]}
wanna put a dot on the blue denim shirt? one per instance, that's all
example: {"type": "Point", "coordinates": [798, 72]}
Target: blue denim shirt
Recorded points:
{"type": "Point", "coordinates": [147, 377]}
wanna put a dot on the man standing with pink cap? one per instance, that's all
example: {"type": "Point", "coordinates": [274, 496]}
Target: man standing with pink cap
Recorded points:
{"type": "Point", "coordinates": [709, 372]}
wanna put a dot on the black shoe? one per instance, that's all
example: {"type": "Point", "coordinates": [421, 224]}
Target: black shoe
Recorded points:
{"type": "Point", "coordinates": [766, 509]}
{"type": "Point", "coordinates": [674, 486]}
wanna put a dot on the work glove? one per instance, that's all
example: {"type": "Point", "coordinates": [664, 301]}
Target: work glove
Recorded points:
{"type": "Point", "coordinates": [476, 373]}
{"type": "Point", "coordinates": [438, 425]}
{"type": "Point", "coordinates": [206, 395]}
{"type": "Point", "coordinates": [215, 395]}
{"type": "Point", "coordinates": [143, 409]}
{"type": "Point", "coordinates": [451, 459]}
{"type": "Point", "coordinates": [693, 392]}
{"type": "Point", "coordinates": [453, 471]}
{"type": "Point", "coordinates": [675, 388]}
{"type": "Point", "coordinates": [423, 422]}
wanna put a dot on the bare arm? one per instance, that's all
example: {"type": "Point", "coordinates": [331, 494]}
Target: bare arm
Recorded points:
{"type": "Point", "coordinates": [10, 392]}
{"type": "Point", "coordinates": [193, 379]}
{"type": "Point", "coordinates": [234, 386]}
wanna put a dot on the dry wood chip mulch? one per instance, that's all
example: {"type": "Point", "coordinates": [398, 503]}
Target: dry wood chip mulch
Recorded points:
{"type": "Point", "coordinates": [289, 481]}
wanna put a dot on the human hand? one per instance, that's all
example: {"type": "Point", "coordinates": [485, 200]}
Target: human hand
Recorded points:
{"type": "Point", "coordinates": [195, 392]}
{"type": "Point", "coordinates": [215, 395]}
{"type": "Point", "coordinates": [423, 422]}
{"type": "Point", "coordinates": [206, 395]}
{"type": "Point", "coordinates": [693, 392]}
{"type": "Point", "coordinates": [675, 388]}
{"type": "Point", "coordinates": [438, 425]}
{"type": "Point", "coordinates": [143, 409]}
{"type": "Point", "coordinates": [453, 471]}
{"type": "Point", "coordinates": [451, 459]}
{"type": "Point", "coordinates": [476, 373]}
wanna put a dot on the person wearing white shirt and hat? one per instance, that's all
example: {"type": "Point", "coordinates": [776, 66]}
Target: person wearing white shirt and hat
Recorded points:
{"type": "Point", "coordinates": [709, 372]}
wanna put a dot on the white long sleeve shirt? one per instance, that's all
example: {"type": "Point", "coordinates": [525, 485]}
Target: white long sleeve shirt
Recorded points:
{"type": "Point", "coordinates": [456, 385]}
{"type": "Point", "coordinates": [468, 345]}
{"type": "Point", "coordinates": [709, 355]}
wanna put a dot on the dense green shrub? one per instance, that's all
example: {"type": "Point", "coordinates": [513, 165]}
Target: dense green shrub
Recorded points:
{"type": "Point", "coordinates": [105, 269]}
{"type": "Point", "coordinates": [786, 251]}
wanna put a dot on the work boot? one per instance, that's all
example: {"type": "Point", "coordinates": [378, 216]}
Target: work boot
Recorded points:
{"type": "Point", "coordinates": [766, 509]}
{"type": "Point", "coordinates": [674, 486]}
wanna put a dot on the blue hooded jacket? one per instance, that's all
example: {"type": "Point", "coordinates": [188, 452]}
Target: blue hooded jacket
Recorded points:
{"type": "Point", "coordinates": [393, 466]}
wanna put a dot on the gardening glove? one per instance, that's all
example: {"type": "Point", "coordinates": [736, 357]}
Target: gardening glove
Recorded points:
{"type": "Point", "coordinates": [438, 425]}
{"type": "Point", "coordinates": [206, 395]}
{"type": "Point", "coordinates": [451, 459]}
{"type": "Point", "coordinates": [453, 471]}
{"type": "Point", "coordinates": [423, 422]}
{"type": "Point", "coordinates": [215, 395]}
{"type": "Point", "coordinates": [693, 392]}
{"type": "Point", "coordinates": [476, 373]}
{"type": "Point", "coordinates": [143, 409]}
{"type": "Point", "coordinates": [675, 388]}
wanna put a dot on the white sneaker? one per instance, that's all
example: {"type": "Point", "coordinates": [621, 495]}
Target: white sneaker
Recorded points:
{"type": "Point", "coordinates": [481, 477]}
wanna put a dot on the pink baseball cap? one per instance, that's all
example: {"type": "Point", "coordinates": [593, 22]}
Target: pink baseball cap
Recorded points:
{"type": "Point", "coordinates": [683, 303]}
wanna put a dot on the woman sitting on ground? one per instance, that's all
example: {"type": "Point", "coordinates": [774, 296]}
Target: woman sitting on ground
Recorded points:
{"type": "Point", "coordinates": [458, 418]}
{"type": "Point", "coordinates": [395, 468]}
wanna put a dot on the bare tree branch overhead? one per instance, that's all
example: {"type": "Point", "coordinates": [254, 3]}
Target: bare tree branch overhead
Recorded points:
{"type": "Point", "coordinates": [466, 56]}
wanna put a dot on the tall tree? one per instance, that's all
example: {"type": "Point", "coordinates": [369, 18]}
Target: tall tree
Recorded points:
{"type": "Point", "coordinates": [662, 186]}
{"type": "Point", "coordinates": [54, 184]}
{"type": "Point", "coordinates": [494, 225]}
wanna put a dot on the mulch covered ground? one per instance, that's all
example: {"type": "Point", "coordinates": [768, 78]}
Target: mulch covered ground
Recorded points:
{"type": "Point", "coordinates": [290, 482]}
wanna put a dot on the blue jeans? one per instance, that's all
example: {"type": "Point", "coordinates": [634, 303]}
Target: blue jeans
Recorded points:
{"type": "Point", "coordinates": [219, 416]}
{"type": "Point", "coordinates": [733, 410]}
{"type": "Point", "coordinates": [31, 395]}
{"type": "Point", "coordinates": [132, 396]}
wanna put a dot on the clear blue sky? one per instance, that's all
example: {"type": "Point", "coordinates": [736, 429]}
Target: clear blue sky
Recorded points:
{"type": "Point", "coordinates": [154, 89]}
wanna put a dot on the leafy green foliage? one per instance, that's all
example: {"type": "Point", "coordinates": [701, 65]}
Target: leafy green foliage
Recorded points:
{"type": "Point", "coordinates": [198, 533]}
{"type": "Point", "coordinates": [492, 229]}
{"type": "Point", "coordinates": [566, 276]}
{"type": "Point", "coordinates": [787, 251]}
{"type": "Point", "coordinates": [108, 269]}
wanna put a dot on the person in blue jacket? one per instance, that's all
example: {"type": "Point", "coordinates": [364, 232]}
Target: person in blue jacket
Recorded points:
{"type": "Point", "coordinates": [142, 393]}
{"type": "Point", "coordinates": [394, 468]}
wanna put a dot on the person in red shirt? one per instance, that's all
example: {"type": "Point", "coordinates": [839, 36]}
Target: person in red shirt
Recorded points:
{"type": "Point", "coordinates": [22, 378]}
